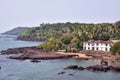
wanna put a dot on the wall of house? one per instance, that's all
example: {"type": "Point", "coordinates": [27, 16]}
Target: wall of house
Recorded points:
{"type": "Point", "coordinates": [96, 46]}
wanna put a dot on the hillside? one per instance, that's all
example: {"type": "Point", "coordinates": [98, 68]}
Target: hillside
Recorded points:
{"type": "Point", "coordinates": [16, 31]}
{"type": "Point", "coordinates": [60, 36]}
{"type": "Point", "coordinates": [102, 31]}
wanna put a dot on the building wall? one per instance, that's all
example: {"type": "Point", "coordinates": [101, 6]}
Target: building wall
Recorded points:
{"type": "Point", "coordinates": [96, 46]}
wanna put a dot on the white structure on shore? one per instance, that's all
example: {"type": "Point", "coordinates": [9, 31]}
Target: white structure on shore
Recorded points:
{"type": "Point", "coordinates": [98, 45]}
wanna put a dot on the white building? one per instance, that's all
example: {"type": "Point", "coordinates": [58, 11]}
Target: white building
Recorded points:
{"type": "Point", "coordinates": [97, 45]}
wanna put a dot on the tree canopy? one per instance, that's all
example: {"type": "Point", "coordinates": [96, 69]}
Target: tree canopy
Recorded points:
{"type": "Point", "coordinates": [102, 31]}
{"type": "Point", "coordinates": [115, 49]}
{"type": "Point", "coordinates": [59, 35]}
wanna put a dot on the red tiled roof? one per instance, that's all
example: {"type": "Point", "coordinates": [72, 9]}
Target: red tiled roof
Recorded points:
{"type": "Point", "coordinates": [100, 41]}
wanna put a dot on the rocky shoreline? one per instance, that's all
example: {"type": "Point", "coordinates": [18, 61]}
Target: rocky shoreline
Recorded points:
{"type": "Point", "coordinates": [104, 68]}
{"type": "Point", "coordinates": [102, 55]}
{"type": "Point", "coordinates": [36, 54]}
{"type": "Point", "coordinates": [33, 54]}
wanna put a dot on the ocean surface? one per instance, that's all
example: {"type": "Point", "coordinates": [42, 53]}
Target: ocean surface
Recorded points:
{"type": "Point", "coordinates": [46, 69]}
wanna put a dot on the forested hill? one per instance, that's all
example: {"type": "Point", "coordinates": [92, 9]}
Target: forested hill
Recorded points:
{"type": "Point", "coordinates": [16, 31]}
{"type": "Point", "coordinates": [83, 31]}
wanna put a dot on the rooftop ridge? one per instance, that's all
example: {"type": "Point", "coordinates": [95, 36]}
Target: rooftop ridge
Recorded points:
{"type": "Point", "coordinates": [100, 41]}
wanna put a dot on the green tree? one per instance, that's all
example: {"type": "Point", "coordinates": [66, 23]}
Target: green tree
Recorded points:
{"type": "Point", "coordinates": [115, 48]}
{"type": "Point", "coordinates": [52, 45]}
{"type": "Point", "coordinates": [66, 39]}
{"type": "Point", "coordinates": [74, 40]}
{"type": "Point", "coordinates": [117, 24]}
{"type": "Point", "coordinates": [79, 45]}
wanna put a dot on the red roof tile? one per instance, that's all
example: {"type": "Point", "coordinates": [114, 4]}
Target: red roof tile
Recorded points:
{"type": "Point", "coordinates": [100, 41]}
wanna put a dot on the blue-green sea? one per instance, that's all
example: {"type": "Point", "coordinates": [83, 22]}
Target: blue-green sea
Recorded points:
{"type": "Point", "coordinates": [46, 69]}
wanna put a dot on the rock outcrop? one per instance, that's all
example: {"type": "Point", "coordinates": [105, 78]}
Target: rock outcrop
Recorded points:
{"type": "Point", "coordinates": [34, 54]}
{"type": "Point", "coordinates": [74, 67]}
{"type": "Point", "coordinates": [95, 68]}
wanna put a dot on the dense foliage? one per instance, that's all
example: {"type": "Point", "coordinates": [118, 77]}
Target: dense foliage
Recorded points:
{"type": "Point", "coordinates": [115, 49]}
{"type": "Point", "coordinates": [103, 31]}
{"type": "Point", "coordinates": [72, 33]}
{"type": "Point", "coordinates": [16, 31]}
{"type": "Point", "coordinates": [52, 45]}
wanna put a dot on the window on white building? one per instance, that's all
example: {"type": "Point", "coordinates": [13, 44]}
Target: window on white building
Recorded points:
{"type": "Point", "coordinates": [92, 44]}
{"type": "Point", "coordinates": [88, 48]}
{"type": "Point", "coordinates": [106, 44]}
{"type": "Point", "coordinates": [88, 43]}
{"type": "Point", "coordinates": [97, 44]}
{"type": "Point", "coordinates": [97, 48]}
{"type": "Point", "coordinates": [106, 49]}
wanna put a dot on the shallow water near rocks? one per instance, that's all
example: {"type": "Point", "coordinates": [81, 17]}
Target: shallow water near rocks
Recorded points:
{"type": "Point", "coordinates": [46, 69]}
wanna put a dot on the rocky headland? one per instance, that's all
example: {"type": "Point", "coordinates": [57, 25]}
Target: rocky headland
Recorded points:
{"type": "Point", "coordinates": [34, 54]}
{"type": "Point", "coordinates": [37, 53]}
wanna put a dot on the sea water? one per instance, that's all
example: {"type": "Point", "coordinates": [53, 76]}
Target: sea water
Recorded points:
{"type": "Point", "coordinates": [9, 41]}
{"type": "Point", "coordinates": [46, 69]}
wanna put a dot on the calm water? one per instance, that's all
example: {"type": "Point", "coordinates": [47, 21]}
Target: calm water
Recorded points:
{"type": "Point", "coordinates": [47, 69]}
{"type": "Point", "coordinates": [10, 42]}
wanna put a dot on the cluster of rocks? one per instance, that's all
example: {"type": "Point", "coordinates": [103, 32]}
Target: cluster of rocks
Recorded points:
{"type": "Point", "coordinates": [61, 72]}
{"type": "Point", "coordinates": [74, 67]}
{"type": "Point", "coordinates": [33, 53]}
{"type": "Point", "coordinates": [41, 56]}
{"type": "Point", "coordinates": [14, 50]}
{"type": "Point", "coordinates": [97, 54]}
{"type": "Point", "coordinates": [35, 61]}
{"type": "Point", "coordinates": [95, 68]}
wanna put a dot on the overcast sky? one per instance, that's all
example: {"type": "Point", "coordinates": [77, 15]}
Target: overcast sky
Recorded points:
{"type": "Point", "coordinates": [15, 13]}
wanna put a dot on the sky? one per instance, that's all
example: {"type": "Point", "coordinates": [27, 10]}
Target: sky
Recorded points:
{"type": "Point", "coordinates": [14, 13]}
